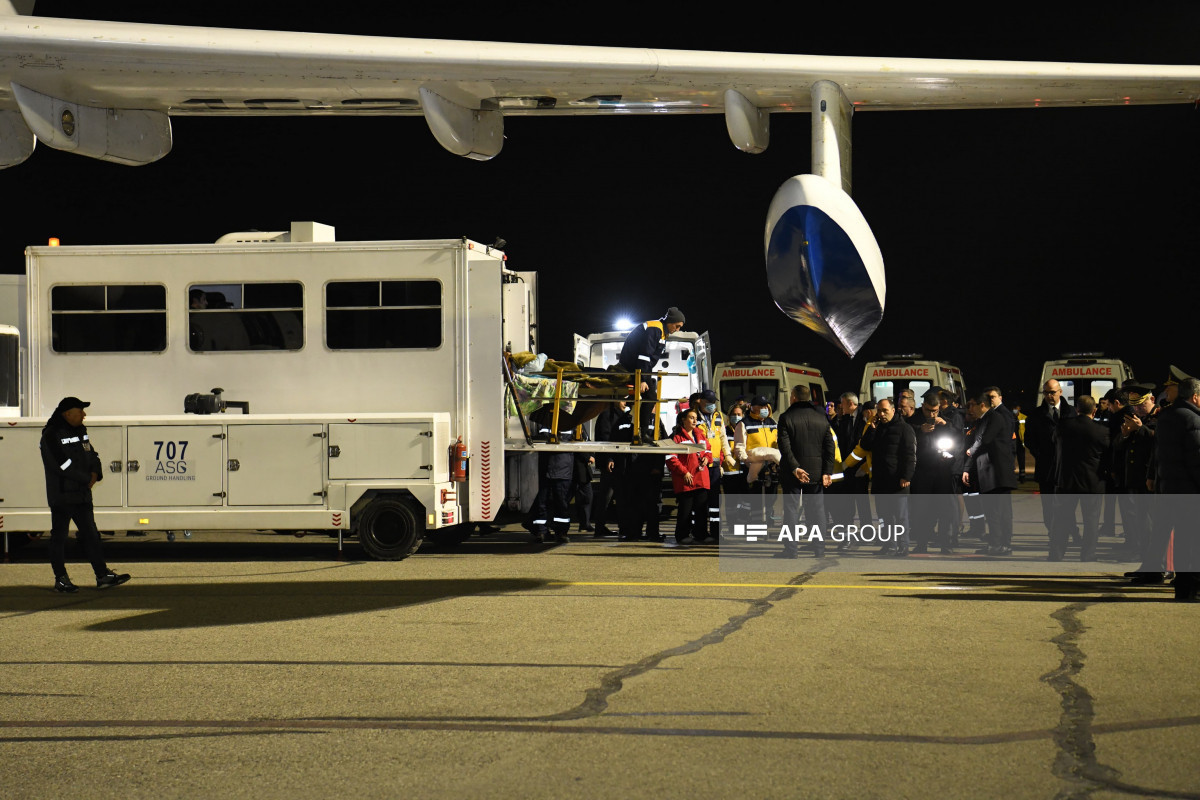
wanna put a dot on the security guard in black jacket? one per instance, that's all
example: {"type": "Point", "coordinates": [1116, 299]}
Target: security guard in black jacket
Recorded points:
{"type": "Point", "coordinates": [72, 468]}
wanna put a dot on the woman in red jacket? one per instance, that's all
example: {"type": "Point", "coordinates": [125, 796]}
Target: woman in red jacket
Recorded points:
{"type": "Point", "coordinates": [689, 474]}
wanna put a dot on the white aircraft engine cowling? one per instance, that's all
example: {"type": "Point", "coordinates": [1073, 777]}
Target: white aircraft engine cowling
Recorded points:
{"type": "Point", "coordinates": [16, 140]}
{"type": "Point", "coordinates": [824, 268]}
{"type": "Point", "coordinates": [124, 136]}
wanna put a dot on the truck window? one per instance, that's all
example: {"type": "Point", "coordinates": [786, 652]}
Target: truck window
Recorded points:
{"type": "Point", "coordinates": [730, 390]}
{"type": "Point", "coordinates": [383, 315]}
{"type": "Point", "coordinates": [233, 317]}
{"type": "Point", "coordinates": [101, 318]}
{"type": "Point", "coordinates": [9, 352]}
{"type": "Point", "coordinates": [888, 390]}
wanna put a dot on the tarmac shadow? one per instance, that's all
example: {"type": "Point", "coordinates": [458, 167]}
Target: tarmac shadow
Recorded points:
{"type": "Point", "coordinates": [159, 606]}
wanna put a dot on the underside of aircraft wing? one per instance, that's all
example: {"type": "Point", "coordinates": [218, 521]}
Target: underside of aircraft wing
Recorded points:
{"type": "Point", "coordinates": [180, 70]}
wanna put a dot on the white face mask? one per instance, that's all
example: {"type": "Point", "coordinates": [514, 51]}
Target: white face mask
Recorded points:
{"type": "Point", "coordinates": [736, 418]}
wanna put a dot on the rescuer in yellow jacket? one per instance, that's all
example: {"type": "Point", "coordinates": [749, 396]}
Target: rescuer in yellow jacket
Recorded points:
{"type": "Point", "coordinates": [712, 427]}
{"type": "Point", "coordinates": [756, 430]}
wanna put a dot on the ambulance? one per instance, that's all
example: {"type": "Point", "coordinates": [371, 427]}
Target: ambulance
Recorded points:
{"type": "Point", "coordinates": [896, 373]}
{"type": "Point", "coordinates": [749, 376]}
{"type": "Point", "coordinates": [1085, 373]}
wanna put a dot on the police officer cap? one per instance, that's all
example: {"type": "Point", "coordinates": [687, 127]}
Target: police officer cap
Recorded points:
{"type": "Point", "coordinates": [1138, 393]}
{"type": "Point", "coordinates": [760, 400]}
{"type": "Point", "coordinates": [68, 403]}
{"type": "Point", "coordinates": [709, 395]}
{"type": "Point", "coordinates": [673, 315]}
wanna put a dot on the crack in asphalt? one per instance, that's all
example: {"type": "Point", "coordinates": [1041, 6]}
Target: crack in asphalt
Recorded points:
{"type": "Point", "coordinates": [1076, 760]}
{"type": "Point", "coordinates": [596, 699]}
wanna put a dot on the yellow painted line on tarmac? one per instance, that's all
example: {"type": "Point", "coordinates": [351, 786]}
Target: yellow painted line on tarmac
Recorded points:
{"type": "Point", "coordinates": [763, 585]}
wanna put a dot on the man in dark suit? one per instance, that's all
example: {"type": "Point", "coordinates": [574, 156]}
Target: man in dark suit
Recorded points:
{"type": "Point", "coordinates": [806, 465]}
{"type": "Point", "coordinates": [1084, 444]}
{"type": "Point", "coordinates": [1178, 485]}
{"type": "Point", "coordinates": [850, 492]}
{"type": "Point", "coordinates": [939, 463]}
{"type": "Point", "coordinates": [1041, 437]}
{"type": "Point", "coordinates": [989, 465]}
{"type": "Point", "coordinates": [998, 407]}
{"type": "Point", "coordinates": [893, 447]}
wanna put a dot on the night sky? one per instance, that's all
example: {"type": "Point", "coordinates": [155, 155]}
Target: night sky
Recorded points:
{"type": "Point", "coordinates": [1009, 237]}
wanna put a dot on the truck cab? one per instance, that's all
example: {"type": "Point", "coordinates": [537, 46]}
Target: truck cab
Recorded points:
{"type": "Point", "coordinates": [887, 378]}
{"type": "Point", "coordinates": [749, 376]}
{"type": "Point", "coordinates": [1085, 373]}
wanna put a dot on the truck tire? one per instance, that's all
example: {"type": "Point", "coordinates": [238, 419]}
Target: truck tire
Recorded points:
{"type": "Point", "coordinates": [391, 528]}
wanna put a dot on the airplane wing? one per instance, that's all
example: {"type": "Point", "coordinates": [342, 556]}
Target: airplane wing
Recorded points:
{"type": "Point", "coordinates": [118, 83]}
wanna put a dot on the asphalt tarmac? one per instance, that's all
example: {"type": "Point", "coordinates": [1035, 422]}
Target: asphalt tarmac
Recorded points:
{"type": "Point", "coordinates": [259, 665]}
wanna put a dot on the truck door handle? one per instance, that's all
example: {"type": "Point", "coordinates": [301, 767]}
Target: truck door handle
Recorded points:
{"type": "Point", "coordinates": [334, 451]}
{"type": "Point", "coordinates": [114, 466]}
{"type": "Point", "coordinates": [233, 465]}
{"type": "Point", "coordinates": [133, 466]}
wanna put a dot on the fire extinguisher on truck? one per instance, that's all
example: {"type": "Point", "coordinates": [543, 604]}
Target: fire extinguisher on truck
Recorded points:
{"type": "Point", "coordinates": [458, 461]}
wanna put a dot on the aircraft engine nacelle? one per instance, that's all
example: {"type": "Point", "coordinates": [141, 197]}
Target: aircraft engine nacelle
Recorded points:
{"type": "Point", "coordinates": [824, 267]}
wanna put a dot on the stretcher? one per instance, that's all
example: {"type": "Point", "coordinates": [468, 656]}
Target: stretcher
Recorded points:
{"type": "Point", "coordinates": [563, 395]}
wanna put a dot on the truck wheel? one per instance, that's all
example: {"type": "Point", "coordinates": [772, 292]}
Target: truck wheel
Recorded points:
{"type": "Point", "coordinates": [391, 528]}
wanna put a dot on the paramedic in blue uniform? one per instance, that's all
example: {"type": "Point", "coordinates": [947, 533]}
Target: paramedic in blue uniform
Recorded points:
{"type": "Point", "coordinates": [72, 469]}
{"type": "Point", "coordinates": [643, 349]}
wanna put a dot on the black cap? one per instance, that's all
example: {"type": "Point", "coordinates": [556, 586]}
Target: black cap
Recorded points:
{"type": "Point", "coordinates": [1138, 392]}
{"type": "Point", "coordinates": [709, 394]}
{"type": "Point", "coordinates": [68, 403]}
{"type": "Point", "coordinates": [673, 315]}
{"type": "Point", "coordinates": [760, 400]}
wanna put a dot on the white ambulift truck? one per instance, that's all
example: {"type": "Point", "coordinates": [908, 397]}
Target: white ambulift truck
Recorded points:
{"type": "Point", "coordinates": [358, 366]}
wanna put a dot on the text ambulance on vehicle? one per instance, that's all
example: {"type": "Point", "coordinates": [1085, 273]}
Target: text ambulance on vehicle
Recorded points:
{"type": "Point", "coordinates": [1085, 373]}
{"type": "Point", "coordinates": [896, 373]}
{"type": "Point", "coordinates": [749, 376]}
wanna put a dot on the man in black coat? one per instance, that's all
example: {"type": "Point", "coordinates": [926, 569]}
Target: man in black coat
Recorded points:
{"type": "Point", "coordinates": [1133, 454]}
{"type": "Point", "coordinates": [1084, 444]}
{"type": "Point", "coordinates": [1178, 485]}
{"type": "Point", "coordinates": [893, 447]}
{"type": "Point", "coordinates": [935, 481]}
{"type": "Point", "coordinates": [850, 493]}
{"type": "Point", "coordinates": [614, 425]}
{"type": "Point", "coordinates": [989, 465]}
{"type": "Point", "coordinates": [1041, 437]}
{"type": "Point", "coordinates": [72, 468]}
{"type": "Point", "coordinates": [643, 350]}
{"type": "Point", "coordinates": [806, 465]}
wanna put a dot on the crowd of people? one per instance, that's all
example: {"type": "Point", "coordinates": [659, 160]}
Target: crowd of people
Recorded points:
{"type": "Point", "coordinates": [924, 463]}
